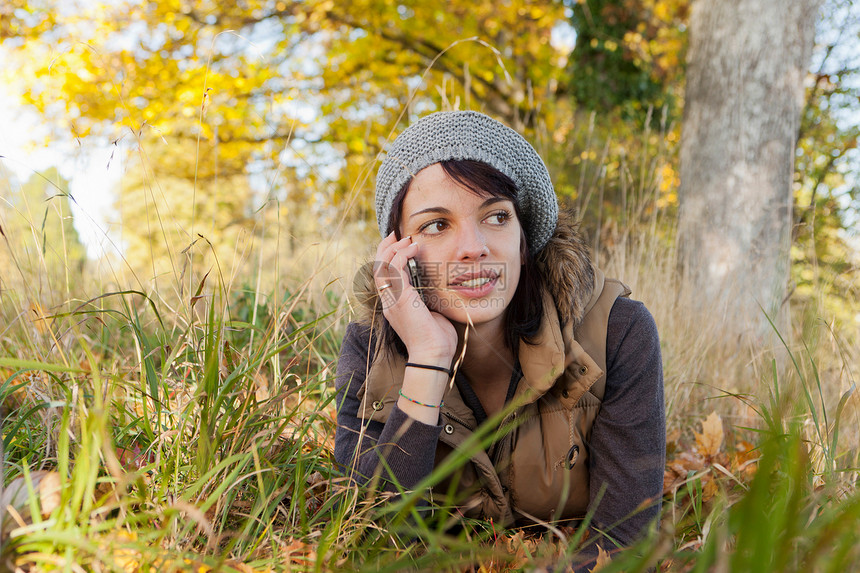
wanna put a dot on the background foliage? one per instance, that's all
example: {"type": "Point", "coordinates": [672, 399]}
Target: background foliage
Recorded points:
{"type": "Point", "coordinates": [293, 101]}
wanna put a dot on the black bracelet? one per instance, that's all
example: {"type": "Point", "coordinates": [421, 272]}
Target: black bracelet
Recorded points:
{"type": "Point", "coordinates": [431, 367]}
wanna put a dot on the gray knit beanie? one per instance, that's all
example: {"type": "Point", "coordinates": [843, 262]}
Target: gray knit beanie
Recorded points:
{"type": "Point", "coordinates": [470, 135]}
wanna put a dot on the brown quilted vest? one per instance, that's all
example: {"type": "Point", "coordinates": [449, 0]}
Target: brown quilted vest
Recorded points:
{"type": "Point", "coordinates": [538, 471]}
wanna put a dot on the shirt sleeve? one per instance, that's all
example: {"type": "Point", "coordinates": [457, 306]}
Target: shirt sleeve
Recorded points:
{"type": "Point", "coordinates": [627, 450]}
{"type": "Point", "coordinates": [401, 451]}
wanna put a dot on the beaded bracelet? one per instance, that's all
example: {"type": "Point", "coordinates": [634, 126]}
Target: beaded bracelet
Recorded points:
{"type": "Point", "coordinates": [431, 367]}
{"type": "Point", "coordinates": [421, 403]}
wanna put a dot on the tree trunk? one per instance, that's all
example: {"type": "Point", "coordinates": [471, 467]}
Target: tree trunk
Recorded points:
{"type": "Point", "coordinates": [746, 67]}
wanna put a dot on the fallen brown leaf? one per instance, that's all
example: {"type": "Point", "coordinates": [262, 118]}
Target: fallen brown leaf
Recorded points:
{"type": "Point", "coordinates": [710, 441]}
{"type": "Point", "coordinates": [297, 552]}
{"type": "Point", "coordinates": [15, 501]}
{"type": "Point", "coordinates": [49, 493]}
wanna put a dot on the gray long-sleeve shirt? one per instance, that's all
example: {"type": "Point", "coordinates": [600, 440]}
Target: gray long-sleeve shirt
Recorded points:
{"type": "Point", "coordinates": [628, 441]}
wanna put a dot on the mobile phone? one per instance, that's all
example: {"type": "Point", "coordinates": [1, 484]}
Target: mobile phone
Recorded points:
{"type": "Point", "coordinates": [415, 278]}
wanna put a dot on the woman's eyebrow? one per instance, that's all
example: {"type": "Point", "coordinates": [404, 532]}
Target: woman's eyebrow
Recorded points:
{"type": "Point", "coordinates": [440, 210]}
{"type": "Point", "coordinates": [445, 211]}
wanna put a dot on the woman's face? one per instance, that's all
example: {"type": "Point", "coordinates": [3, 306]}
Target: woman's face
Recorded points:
{"type": "Point", "coordinates": [469, 253]}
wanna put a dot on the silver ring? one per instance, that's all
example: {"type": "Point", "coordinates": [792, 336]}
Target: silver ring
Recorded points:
{"type": "Point", "coordinates": [383, 287]}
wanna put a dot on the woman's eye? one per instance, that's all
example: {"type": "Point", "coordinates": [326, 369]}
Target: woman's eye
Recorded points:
{"type": "Point", "coordinates": [499, 218]}
{"type": "Point", "coordinates": [432, 228]}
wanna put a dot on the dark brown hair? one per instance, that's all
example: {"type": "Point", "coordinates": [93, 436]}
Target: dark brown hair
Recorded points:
{"type": "Point", "coordinates": [525, 312]}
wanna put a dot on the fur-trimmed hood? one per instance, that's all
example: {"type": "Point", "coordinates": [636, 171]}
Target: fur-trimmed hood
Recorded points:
{"type": "Point", "coordinates": [565, 264]}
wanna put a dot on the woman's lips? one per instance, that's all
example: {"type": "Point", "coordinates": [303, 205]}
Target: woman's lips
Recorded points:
{"type": "Point", "coordinates": [475, 287]}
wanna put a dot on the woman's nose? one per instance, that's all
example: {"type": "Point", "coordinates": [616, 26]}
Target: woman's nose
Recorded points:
{"type": "Point", "coordinates": [471, 243]}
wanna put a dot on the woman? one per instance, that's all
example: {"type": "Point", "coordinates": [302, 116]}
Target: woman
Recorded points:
{"type": "Point", "coordinates": [511, 308]}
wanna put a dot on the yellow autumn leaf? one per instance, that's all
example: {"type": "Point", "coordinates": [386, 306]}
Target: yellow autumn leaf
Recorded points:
{"type": "Point", "coordinates": [710, 441]}
{"type": "Point", "coordinates": [124, 554]}
{"type": "Point", "coordinates": [603, 559]}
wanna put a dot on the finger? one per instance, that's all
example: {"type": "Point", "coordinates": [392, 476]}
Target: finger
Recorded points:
{"type": "Point", "coordinates": [384, 245]}
{"type": "Point", "coordinates": [392, 242]}
{"type": "Point", "coordinates": [385, 255]}
{"type": "Point", "coordinates": [393, 278]}
{"type": "Point", "coordinates": [388, 294]}
{"type": "Point", "coordinates": [398, 261]}
{"type": "Point", "coordinates": [389, 239]}
{"type": "Point", "coordinates": [389, 284]}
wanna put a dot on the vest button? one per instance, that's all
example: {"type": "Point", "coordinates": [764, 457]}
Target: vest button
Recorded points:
{"type": "Point", "coordinates": [377, 405]}
{"type": "Point", "coordinates": [583, 370]}
{"type": "Point", "coordinates": [565, 393]}
{"type": "Point", "coordinates": [449, 429]}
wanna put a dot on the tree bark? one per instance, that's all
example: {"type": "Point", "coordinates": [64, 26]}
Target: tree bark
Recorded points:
{"type": "Point", "coordinates": [746, 66]}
